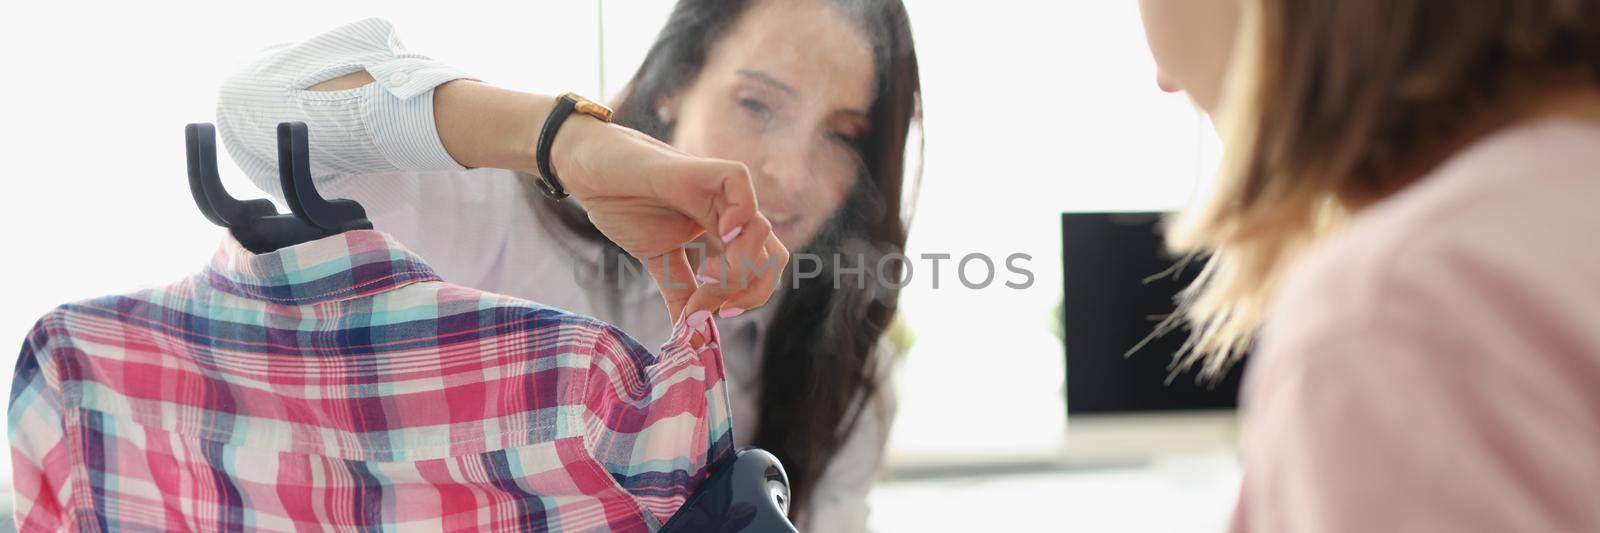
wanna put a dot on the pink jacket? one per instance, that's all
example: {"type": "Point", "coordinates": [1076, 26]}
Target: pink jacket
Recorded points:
{"type": "Point", "coordinates": [1436, 366]}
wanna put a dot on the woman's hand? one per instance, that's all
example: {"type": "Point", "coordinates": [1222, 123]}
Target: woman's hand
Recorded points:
{"type": "Point", "coordinates": [654, 201]}
{"type": "Point", "coordinates": [645, 195]}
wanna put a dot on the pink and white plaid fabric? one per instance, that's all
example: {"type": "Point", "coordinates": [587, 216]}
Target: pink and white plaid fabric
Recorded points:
{"type": "Point", "coordinates": [340, 384]}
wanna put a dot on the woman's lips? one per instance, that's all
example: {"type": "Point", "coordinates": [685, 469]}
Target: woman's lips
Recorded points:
{"type": "Point", "coordinates": [782, 222]}
{"type": "Point", "coordinates": [777, 218]}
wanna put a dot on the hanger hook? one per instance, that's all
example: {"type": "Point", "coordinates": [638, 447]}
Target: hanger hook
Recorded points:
{"type": "Point", "coordinates": [205, 183]}
{"type": "Point", "coordinates": [294, 174]}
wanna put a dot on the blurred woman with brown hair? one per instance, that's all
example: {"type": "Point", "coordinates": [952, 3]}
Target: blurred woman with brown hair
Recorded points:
{"type": "Point", "coordinates": [1406, 212]}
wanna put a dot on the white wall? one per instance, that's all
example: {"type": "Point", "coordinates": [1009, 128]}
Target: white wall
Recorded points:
{"type": "Point", "coordinates": [1033, 108]}
{"type": "Point", "coordinates": [96, 96]}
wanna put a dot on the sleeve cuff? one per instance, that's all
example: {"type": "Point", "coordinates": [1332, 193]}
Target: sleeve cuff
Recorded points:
{"type": "Point", "coordinates": [400, 115]}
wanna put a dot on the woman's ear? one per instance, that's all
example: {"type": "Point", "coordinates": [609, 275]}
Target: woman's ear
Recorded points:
{"type": "Point", "coordinates": [666, 109]}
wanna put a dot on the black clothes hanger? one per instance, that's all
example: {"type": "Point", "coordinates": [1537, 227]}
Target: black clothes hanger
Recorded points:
{"type": "Point", "coordinates": [748, 492]}
{"type": "Point", "coordinates": [294, 174]}
{"type": "Point", "coordinates": [256, 223]}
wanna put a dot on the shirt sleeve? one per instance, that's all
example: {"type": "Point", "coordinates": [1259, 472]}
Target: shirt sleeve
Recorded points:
{"type": "Point", "coordinates": [385, 126]}
{"type": "Point", "coordinates": [656, 421]}
{"type": "Point", "coordinates": [40, 461]}
{"type": "Point", "coordinates": [839, 502]}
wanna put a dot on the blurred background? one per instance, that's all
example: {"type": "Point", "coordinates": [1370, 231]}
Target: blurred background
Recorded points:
{"type": "Point", "coordinates": [1032, 110]}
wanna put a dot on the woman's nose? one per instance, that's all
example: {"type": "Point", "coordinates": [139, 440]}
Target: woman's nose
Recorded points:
{"type": "Point", "coordinates": [786, 170]}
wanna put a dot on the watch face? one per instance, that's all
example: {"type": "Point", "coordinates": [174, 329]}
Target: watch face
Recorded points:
{"type": "Point", "coordinates": [593, 109]}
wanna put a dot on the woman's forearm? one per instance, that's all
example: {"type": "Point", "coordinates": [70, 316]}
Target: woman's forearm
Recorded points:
{"type": "Point", "coordinates": [480, 125]}
{"type": "Point", "coordinates": [483, 126]}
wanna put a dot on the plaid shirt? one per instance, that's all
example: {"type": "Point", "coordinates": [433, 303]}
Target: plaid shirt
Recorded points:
{"type": "Point", "coordinates": [341, 384]}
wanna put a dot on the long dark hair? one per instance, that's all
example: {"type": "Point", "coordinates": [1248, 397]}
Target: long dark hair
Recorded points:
{"type": "Point", "coordinates": [819, 373]}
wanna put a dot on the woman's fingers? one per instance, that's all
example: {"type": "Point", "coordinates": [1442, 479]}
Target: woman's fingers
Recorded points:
{"type": "Point", "coordinates": [731, 253]}
{"type": "Point", "coordinates": [762, 283]}
{"type": "Point", "coordinates": [718, 195]}
{"type": "Point", "coordinates": [736, 234]}
{"type": "Point", "coordinates": [675, 278]}
{"type": "Point", "coordinates": [746, 267]}
{"type": "Point", "coordinates": [675, 211]}
{"type": "Point", "coordinates": [737, 203]}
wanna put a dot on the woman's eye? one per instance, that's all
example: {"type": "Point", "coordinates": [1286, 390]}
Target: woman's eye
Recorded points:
{"type": "Point", "coordinates": [756, 107]}
{"type": "Point", "coordinates": [846, 138]}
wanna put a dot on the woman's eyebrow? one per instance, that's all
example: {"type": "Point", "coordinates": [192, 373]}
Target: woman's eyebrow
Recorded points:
{"type": "Point", "coordinates": [773, 82]}
{"type": "Point", "coordinates": [769, 80]}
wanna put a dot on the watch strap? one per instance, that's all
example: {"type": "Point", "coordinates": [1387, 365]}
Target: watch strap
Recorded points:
{"type": "Point", "coordinates": [549, 184]}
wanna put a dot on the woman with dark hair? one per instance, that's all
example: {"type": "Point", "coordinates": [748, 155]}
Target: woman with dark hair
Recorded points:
{"type": "Point", "coordinates": [752, 127]}
{"type": "Point", "coordinates": [1405, 211]}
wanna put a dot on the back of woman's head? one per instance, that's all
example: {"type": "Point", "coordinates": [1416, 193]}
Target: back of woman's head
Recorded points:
{"type": "Point", "coordinates": [1331, 105]}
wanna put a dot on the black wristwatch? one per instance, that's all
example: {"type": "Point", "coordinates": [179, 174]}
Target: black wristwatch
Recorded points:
{"type": "Point", "coordinates": [565, 105]}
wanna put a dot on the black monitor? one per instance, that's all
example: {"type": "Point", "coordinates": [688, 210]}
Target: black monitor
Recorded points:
{"type": "Point", "coordinates": [1109, 308]}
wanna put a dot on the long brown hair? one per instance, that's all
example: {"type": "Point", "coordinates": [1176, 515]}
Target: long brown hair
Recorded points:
{"type": "Point", "coordinates": [1332, 105]}
{"type": "Point", "coordinates": [819, 372]}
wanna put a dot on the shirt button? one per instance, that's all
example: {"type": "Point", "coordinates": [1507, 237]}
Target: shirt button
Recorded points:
{"type": "Point", "coordinates": [399, 78]}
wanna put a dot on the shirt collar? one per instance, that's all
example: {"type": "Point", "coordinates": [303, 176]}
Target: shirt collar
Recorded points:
{"type": "Point", "coordinates": [348, 265]}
